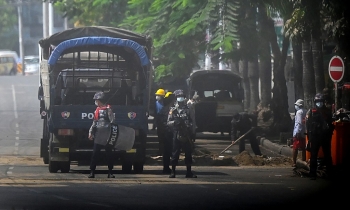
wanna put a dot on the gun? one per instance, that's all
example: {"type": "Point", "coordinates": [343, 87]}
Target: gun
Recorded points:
{"type": "Point", "coordinates": [184, 132]}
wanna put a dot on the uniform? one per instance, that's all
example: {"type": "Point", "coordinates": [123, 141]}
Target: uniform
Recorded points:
{"type": "Point", "coordinates": [100, 132]}
{"type": "Point", "coordinates": [180, 122]}
{"type": "Point", "coordinates": [320, 130]}
{"type": "Point", "coordinates": [243, 122]}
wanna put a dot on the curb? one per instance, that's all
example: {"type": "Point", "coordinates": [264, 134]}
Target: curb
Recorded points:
{"type": "Point", "coordinates": [279, 149]}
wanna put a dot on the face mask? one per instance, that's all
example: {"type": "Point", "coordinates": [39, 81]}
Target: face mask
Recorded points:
{"type": "Point", "coordinates": [158, 98]}
{"type": "Point", "coordinates": [296, 107]}
{"type": "Point", "coordinates": [96, 103]}
{"type": "Point", "coordinates": [319, 104]}
{"type": "Point", "coordinates": [180, 99]}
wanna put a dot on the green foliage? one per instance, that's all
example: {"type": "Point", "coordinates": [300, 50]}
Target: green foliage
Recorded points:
{"type": "Point", "coordinates": [8, 18]}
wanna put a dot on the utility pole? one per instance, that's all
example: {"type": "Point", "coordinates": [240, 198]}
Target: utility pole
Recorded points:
{"type": "Point", "coordinates": [20, 34]}
{"type": "Point", "coordinates": [45, 19]}
{"type": "Point", "coordinates": [51, 19]}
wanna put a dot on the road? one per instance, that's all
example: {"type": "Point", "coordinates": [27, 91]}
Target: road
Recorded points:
{"type": "Point", "coordinates": [25, 182]}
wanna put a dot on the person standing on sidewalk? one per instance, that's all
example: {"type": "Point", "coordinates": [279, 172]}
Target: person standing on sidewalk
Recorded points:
{"type": "Point", "coordinates": [299, 142]}
{"type": "Point", "coordinates": [319, 130]}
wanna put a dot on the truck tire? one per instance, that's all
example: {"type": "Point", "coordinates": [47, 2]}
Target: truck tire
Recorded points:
{"type": "Point", "coordinates": [138, 168]}
{"type": "Point", "coordinates": [44, 144]}
{"type": "Point", "coordinates": [65, 166]}
{"type": "Point", "coordinates": [126, 167]}
{"type": "Point", "coordinates": [54, 166]}
{"type": "Point", "coordinates": [46, 160]}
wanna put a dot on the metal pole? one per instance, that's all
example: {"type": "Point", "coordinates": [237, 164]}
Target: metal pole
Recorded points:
{"type": "Point", "coordinates": [20, 34]}
{"type": "Point", "coordinates": [45, 19]}
{"type": "Point", "coordinates": [51, 19]}
{"type": "Point", "coordinates": [336, 96]}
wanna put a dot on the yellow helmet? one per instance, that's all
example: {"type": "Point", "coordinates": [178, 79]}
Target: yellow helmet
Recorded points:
{"type": "Point", "coordinates": [160, 92]}
{"type": "Point", "coordinates": [168, 94]}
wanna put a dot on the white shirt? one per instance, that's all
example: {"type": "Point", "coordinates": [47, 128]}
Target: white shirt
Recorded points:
{"type": "Point", "coordinates": [299, 125]}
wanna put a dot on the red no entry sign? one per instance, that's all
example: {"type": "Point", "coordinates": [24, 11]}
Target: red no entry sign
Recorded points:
{"type": "Point", "coordinates": [336, 68]}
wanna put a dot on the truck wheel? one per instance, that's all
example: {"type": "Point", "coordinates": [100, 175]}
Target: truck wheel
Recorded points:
{"type": "Point", "coordinates": [65, 166]}
{"type": "Point", "coordinates": [126, 167]}
{"type": "Point", "coordinates": [54, 166]}
{"type": "Point", "coordinates": [138, 168]}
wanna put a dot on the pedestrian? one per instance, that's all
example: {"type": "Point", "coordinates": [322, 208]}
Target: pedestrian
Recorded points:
{"type": "Point", "coordinates": [243, 122]}
{"type": "Point", "coordinates": [319, 130]}
{"type": "Point", "coordinates": [191, 103]}
{"type": "Point", "coordinates": [299, 142]}
{"type": "Point", "coordinates": [159, 105]}
{"type": "Point", "coordinates": [180, 121]}
{"type": "Point", "coordinates": [166, 132]}
{"type": "Point", "coordinates": [100, 132]}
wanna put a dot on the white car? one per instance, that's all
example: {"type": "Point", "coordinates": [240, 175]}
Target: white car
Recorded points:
{"type": "Point", "coordinates": [31, 64]}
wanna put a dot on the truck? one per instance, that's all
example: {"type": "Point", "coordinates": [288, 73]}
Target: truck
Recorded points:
{"type": "Point", "coordinates": [220, 95]}
{"type": "Point", "coordinates": [74, 65]}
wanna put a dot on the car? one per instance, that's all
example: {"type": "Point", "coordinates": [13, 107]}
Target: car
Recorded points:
{"type": "Point", "coordinates": [31, 63]}
{"type": "Point", "coordinates": [8, 62]}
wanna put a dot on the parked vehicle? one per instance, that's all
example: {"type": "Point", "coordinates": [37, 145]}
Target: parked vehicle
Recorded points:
{"type": "Point", "coordinates": [31, 63]}
{"type": "Point", "coordinates": [8, 62]}
{"type": "Point", "coordinates": [220, 96]}
{"type": "Point", "coordinates": [74, 65]}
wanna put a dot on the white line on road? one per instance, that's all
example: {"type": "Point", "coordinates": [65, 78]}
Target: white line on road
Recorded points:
{"type": "Point", "coordinates": [16, 125]}
{"type": "Point", "coordinates": [17, 132]}
{"type": "Point", "coordinates": [10, 168]}
{"type": "Point", "coordinates": [9, 172]}
{"type": "Point", "coordinates": [16, 144]}
{"type": "Point", "coordinates": [17, 138]}
{"type": "Point", "coordinates": [14, 101]}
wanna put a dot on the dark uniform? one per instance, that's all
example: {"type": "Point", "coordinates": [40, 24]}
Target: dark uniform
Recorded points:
{"type": "Point", "coordinates": [320, 130]}
{"type": "Point", "coordinates": [243, 122]}
{"type": "Point", "coordinates": [181, 123]}
{"type": "Point", "coordinates": [100, 132]}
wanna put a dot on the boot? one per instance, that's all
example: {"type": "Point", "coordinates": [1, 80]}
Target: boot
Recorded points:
{"type": "Point", "coordinates": [110, 174]}
{"type": "Point", "coordinates": [172, 174]}
{"type": "Point", "coordinates": [92, 174]}
{"type": "Point", "coordinates": [189, 173]}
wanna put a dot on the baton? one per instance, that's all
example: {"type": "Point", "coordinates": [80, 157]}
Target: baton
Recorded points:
{"type": "Point", "coordinates": [236, 140]}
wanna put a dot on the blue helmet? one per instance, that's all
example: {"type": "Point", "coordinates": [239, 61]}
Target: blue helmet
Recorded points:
{"type": "Point", "coordinates": [99, 96]}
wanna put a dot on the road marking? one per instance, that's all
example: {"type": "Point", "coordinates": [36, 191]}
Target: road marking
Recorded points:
{"type": "Point", "coordinates": [17, 132]}
{"type": "Point", "coordinates": [14, 101]}
{"type": "Point", "coordinates": [11, 167]}
{"type": "Point", "coordinates": [16, 125]}
{"type": "Point", "coordinates": [16, 144]}
{"type": "Point", "coordinates": [17, 138]}
{"type": "Point", "coordinates": [9, 172]}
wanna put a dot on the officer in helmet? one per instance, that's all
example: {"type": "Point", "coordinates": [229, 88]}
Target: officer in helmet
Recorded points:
{"type": "Point", "coordinates": [100, 132]}
{"type": "Point", "coordinates": [179, 120]}
{"type": "Point", "coordinates": [319, 130]}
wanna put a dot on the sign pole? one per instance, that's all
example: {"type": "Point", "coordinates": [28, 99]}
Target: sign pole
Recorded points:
{"type": "Point", "coordinates": [336, 96]}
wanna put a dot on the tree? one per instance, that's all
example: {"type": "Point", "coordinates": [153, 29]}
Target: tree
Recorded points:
{"type": "Point", "coordinates": [8, 18]}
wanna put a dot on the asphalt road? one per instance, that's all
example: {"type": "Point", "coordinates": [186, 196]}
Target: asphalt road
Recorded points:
{"type": "Point", "coordinates": [25, 182]}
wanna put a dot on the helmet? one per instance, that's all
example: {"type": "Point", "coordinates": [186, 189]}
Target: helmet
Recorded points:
{"type": "Point", "coordinates": [319, 97]}
{"type": "Point", "coordinates": [160, 92]}
{"type": "Point", "coordinates": [168, 94]}
{"type": "Point", "coordinates": [179, 93]}
{"type": "Point", "coordinates": [99, 96]}
{"type": "Point", "coordinates": [299, 102]}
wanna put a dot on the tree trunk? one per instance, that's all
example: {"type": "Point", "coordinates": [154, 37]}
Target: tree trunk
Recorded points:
{"type": "Point", "coordinates": [253, 75]}
{"type": "Point", "coordinates": [265, 58]}
{"type": "Point", "coordinates": [317, 57]}
{"type": "Point", "coordinates": [282, 119]}
{"type": "Point", "coordinates": [243, 64]}
{"type": "Point", "coordinates": [308, 73]}
{"type": "Point", "coordinates": [298, 69]}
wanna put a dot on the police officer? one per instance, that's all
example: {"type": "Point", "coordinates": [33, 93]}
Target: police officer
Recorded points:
{"type": "Point", "coordinates": [243, 122]}
{"type": "Point", "coordinates": [100, 132]}
{"type": "Point", "coordinates": [181, 123]}
{"type": "Point", "coordinates": [319, 130]}
{"type": "Point", "coordinates": [160, 126]}
{"type": "Point", "coordinates": [167, 133]}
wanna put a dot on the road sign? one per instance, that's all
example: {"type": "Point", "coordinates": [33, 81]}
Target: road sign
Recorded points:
{"type": "Point", "coordinates": [336, 68]}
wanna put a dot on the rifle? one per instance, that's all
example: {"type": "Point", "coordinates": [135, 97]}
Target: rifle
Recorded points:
{"type": "Point", "coordinates": [184, 132]}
